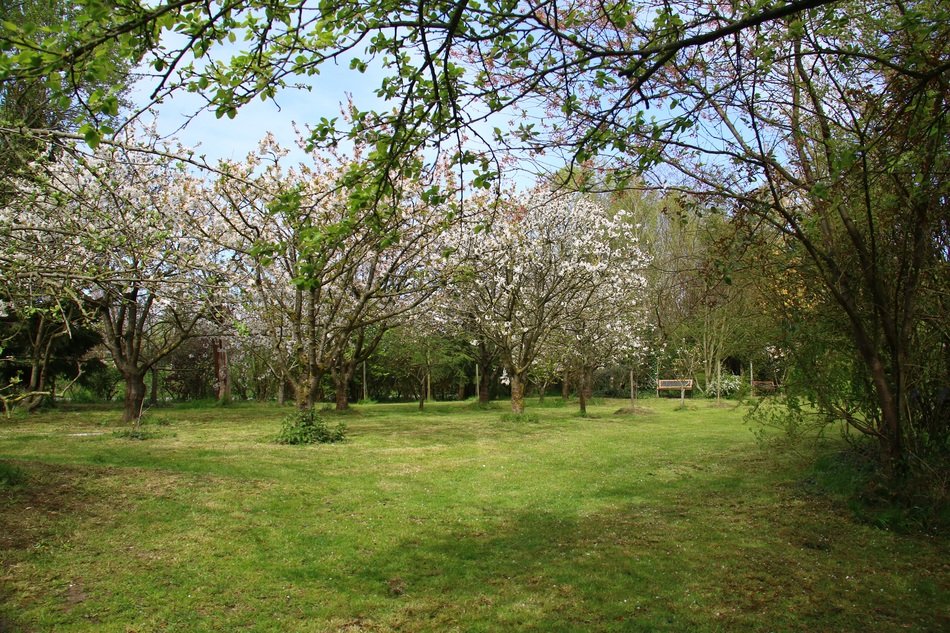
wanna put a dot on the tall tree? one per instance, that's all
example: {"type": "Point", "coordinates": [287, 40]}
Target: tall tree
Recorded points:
{"type": "Point", "coordinates": [545, 261]}
{"type": "Point", "coordinates": [841, 152]}
{"type": "Point", "coordinates": [123, 229]}
{"type": "Point", "coordinates": [328, 276]}
{"type": "Point", "coordinates": [31, 107]}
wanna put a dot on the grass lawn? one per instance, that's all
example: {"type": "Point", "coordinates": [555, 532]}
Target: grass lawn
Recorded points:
{"type": "Point", "coordinates": [445, 520]}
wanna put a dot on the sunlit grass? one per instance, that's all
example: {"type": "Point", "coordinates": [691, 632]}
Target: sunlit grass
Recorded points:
{"type": "Point", "coordinates": [449, 519]}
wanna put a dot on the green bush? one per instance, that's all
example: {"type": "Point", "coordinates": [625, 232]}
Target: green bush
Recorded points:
{"type": "Point", "coordinates": [137, 433]}
{"type": "Point", "coordinates": [519, 417]}
{"type": "Point", "coordinates": [308, 427]}
{"type": "Point", "coordinates": [855, 477]}
{"type": "Point", "coordinates": [483, 406]}
{"type": "Point", "coordinates": [82, 395]}
{"type": "Point", "coordinates": [11, 475]}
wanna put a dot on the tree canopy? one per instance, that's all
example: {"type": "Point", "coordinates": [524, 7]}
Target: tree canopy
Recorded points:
{"type": "Point", "coordinates": [593, 70]}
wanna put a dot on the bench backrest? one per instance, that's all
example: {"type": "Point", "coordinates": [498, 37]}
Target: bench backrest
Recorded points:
{"type": "Point", "coordinates": [686, 383]}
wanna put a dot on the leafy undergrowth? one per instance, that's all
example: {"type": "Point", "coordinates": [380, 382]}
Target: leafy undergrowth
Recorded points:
{"type": "Point", "coordinates": [309, 427]}
{"type": "Point", "coordinates": [446, 520]}
{"type": "Point", "coordinates": [10, 475]}
{"type": "Point", "coordinates": [138, 433]}
{"type": "Point", "coordinates": [851, 477]}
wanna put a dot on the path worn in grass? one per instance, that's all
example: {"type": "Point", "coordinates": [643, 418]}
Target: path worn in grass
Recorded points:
{"type": "Point", "coordinates": [448, 520]}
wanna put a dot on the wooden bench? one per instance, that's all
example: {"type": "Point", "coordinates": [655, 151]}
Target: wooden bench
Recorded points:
{"type": "Point", "coordinates": [765, 386]}
{"type": "Point", "coordinates": [682, 385]}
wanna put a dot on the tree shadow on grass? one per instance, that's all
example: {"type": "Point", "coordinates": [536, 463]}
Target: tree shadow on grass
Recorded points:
{"type": "Point", "coordinates": [726, 562]}
{"type": "Point", "coordinates": [36, 514]}
{"type": "Point", "coordinates": [539, 571]}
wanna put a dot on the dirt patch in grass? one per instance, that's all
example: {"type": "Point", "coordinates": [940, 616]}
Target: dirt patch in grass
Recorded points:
{"type": "Point", "coordinates": [74, 595]}
{"type": "Point", "coordinates": [634, 411]}
{"type": "Point", "coordinates": [48, 494]}
{"type": "Point", "coordinates": [32, 515]}
{"type": "Point", "coordinates": [55, 498]}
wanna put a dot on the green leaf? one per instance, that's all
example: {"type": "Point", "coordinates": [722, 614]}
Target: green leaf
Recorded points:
{"type": "Point", "coordinates": [91, 135]}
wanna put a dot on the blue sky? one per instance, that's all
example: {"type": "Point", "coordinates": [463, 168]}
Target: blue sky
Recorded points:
{"type": "Point", "coordinates": [224, 138]}
{"type": "Point", "coordinates": [233, 138]}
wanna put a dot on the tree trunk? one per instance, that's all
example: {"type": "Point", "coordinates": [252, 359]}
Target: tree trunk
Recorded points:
{"type": "Point", "coordinates": [517, 393]}
{"type": "Point", "coordinates": [483, 395]}
{"type": "Point", "coordinates": [365, 384]}
{"type": "Point", "coordinates": [633, 389]}
{"type": "Point", "coordinates": [39, 366]}
{"type": "Point", "coordinates": [281, 391]}
{"type": "Point", "coordinates": [706, 347]}
{"type": "Point", "coordinates": [718, 381]}
{"type": "Point", "coordinates": [565, 388]}
{"type": "Point", "coordinates": [891, 436]}
{"type": "Point", "coordinates": [478, 381]}
{"type": "Point", "coordinates": [584, 389]}
{"type": "Point", "coordinates": [134, 396]}
{"type": "Point", "coordinates": [341, 384]}
{"type": "Point", "coordinates": [153, 396]}
{"type": "Point", "coordinates": [311, 386]}
{"type": "Point", "coordinates": [342, 398]}
{"type": "Point", "coordinates": [303, 394]}
{"type": "Point", "coordinates": [37, 385]}
{"type": "Point", "coordinates": [221, 371]}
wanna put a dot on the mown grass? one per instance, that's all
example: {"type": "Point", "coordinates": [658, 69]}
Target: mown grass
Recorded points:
{"type": "Point", "coordinates": [450, 519]}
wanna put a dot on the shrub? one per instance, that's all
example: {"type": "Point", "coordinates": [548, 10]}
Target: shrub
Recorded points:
{"type": "Point", "coordinates": [483, 406]}
{"type": "Point", "coordinates": [794, 420]}
{"type": "Point", "coordinates": [729, 385]}
{"type": "Point", "coordinates": [11, 475]}
{"type": "Point", "coordinates": [82, 395]}
{"type": "Point", "coordinates": [309, 427]}
{"type": "Point", "coordinates": [137, 433]}
{"type": "Point", "coordinates": [854, 476]}
{"type": "Point", "coordinates": [508, 418]}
